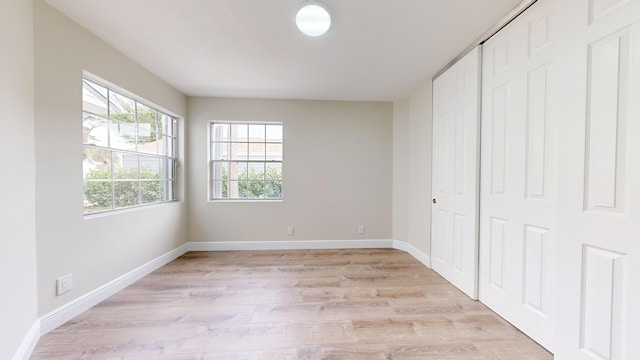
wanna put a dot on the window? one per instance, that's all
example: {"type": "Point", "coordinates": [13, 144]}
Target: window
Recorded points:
{"type": "Point", "coordinates": [246, 161]}
{"type": "Point", "coordinates": [129, 151]}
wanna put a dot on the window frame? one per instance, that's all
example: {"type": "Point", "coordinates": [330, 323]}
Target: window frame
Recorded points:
{"type": "Point", "coordinates": [211, 191]}
{"type": "Point", "coordinates": [164, 135]}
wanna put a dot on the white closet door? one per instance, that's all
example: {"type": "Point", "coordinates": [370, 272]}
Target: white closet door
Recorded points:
{"type": "Point", "coordinates": [454, 245]}
{"type": "Point", "coordinates": [599, 274]}
{"type": "Point", "coordinates": [518, 198]}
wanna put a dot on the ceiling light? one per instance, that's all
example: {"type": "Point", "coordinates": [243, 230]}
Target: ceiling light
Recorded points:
{"type": "Point", "coordinates": [313, 19]}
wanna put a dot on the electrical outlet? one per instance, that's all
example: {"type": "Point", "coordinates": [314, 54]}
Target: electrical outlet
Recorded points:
{"type": "Point", "coordinates": [290, 230]}
{"type": "Point", "coordinates": [64, 284]}
{"type": "Point", "coordinates": [361, 229]}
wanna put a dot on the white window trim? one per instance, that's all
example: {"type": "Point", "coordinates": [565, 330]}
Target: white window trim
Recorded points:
{"type": "Point", "coordinates": [210, 161]}
{"type": "Point", "coordinates": [175, 156]}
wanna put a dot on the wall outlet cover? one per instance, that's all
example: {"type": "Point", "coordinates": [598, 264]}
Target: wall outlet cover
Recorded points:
{"type": "Point", "coordinates": [64, 284]}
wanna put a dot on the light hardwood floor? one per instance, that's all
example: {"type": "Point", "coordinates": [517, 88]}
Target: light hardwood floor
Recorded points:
{"type": "Point", "coordinates": [313, 305]}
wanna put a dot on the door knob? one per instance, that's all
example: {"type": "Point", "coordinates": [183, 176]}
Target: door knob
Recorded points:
{"type": "Point", "coordinates": [434, 200]}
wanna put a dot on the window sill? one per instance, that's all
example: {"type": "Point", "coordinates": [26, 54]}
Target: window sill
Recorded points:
{"type": "Point", "coordinates": [128, 210]}
{"type": "Point", "coordinates": [245, 200]}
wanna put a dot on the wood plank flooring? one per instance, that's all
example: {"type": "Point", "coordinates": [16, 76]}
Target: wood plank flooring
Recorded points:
{"type": "Point", "coordinates": [304, 304]}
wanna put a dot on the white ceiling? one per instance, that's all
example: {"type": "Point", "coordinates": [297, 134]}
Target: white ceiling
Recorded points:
{"type": "Point", "coordinates": [375, 49]}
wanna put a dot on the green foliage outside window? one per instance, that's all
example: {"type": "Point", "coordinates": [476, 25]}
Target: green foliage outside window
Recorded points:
{"type": "Point", "coordinates": [256, 185]}
{"type": "Point", "coordinates": [99, 195]}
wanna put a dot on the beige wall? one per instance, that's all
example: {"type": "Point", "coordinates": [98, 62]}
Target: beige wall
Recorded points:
{"type": "Point", "coordinates": [412, 168]}
{"type": "Point", "coordinates": [400, 215]}
{"type": "Point", "coordinates": [337, 172]}
{"type": "Point", "coordinates": [18, 308]}
{"type": "Point", "coordinates": [99, 249]}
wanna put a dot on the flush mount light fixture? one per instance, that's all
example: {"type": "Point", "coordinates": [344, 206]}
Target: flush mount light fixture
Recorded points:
{"type": "Point", "coordinates": [313, 19]}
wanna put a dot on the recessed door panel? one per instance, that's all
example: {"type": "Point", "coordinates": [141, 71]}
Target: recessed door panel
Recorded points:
{"type": "Point", "coordinates": [601, 278]}
{"type": "Point", "coordinates": [498, 120]}
{"type": "Point", "coordinates": [608, 84]}
{"type": "Point", "coordinates": [538, 142]}
{"type": "Point", "coordinates": [535, 268]}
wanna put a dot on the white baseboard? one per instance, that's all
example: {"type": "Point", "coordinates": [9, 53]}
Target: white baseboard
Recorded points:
{"type": "Point", "coordinates": [290, 245]}
{"type": "Point", "coordinates": [313, 244]}
{"type": "Point", "coordinates": [29, 342]}
{"type": "Point", "coordinates": [68, 311]}
{"type": "Point", "coordinates": [419, 255]}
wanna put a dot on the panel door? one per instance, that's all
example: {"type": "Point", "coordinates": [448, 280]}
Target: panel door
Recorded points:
{"type": "Point", "coordinates": [518, 198]}
{"type": "Point", "coordinates": [599, 274]}
{"type": "Point", "coordinates": [454, 245]}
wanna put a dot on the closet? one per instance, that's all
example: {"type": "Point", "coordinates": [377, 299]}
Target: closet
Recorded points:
{"type": "Point", "coordinates": [559, 201]}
